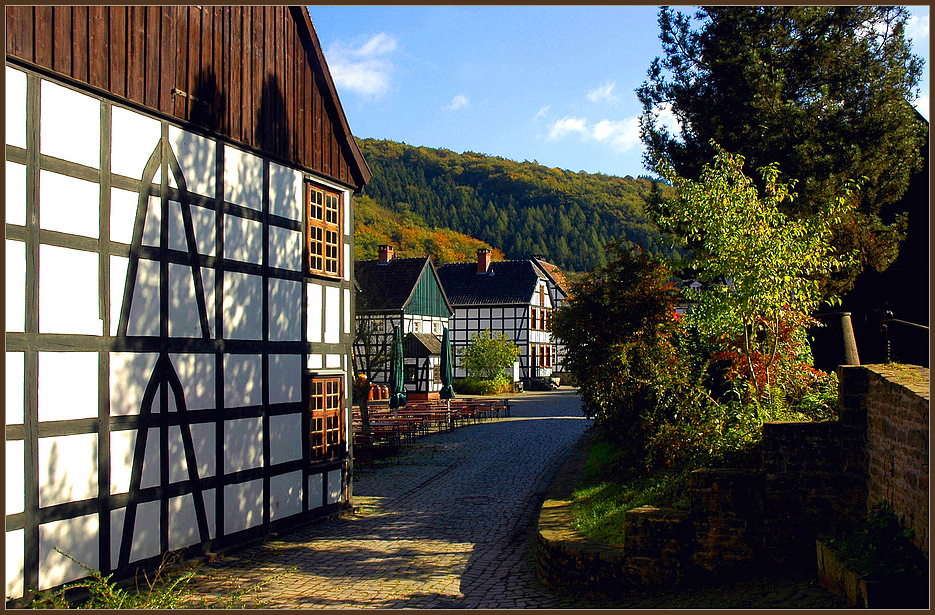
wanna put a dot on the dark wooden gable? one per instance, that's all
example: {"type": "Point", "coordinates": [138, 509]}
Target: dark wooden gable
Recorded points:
{"type": "Point", "coordinates": [253, 74]}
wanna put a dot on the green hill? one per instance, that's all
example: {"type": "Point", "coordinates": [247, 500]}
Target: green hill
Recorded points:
{"type": "Point", "coordinates": [409, 235]}
{"type": "Point", "coordinates": [522, 208]}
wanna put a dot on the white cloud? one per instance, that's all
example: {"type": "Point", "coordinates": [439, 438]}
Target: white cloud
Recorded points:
{"type": "Point", "coordinates": [566, 126]}
{"type": "Point", "coordinates": [605, 92]}
{"type": "Point", "coordinates": [542, 113]}
{"type": "Point", "coordinates": [364, 69]}
{"type": "Point", "coordinates": [621, 136]}
{"type": "Point", "coordinates": [668, 118]}
{"type": "Point", "coordinates": [917, 28]}
{"type": "Point", "coordinates": [457, 102]}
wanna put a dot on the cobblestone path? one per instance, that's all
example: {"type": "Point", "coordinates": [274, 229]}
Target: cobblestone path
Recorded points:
{"type": "Point", "coordinates": [451, 525]}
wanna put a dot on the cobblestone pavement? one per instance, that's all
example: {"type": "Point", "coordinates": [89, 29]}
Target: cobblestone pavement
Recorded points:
{"type": "Point", "coordinates": [451, 525]}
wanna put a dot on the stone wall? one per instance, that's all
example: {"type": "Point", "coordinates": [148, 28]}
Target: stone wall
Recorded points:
{"type": "Point", "coordinates": [812, 475]}
{"type": "Point", "coordinates": [895, 402]}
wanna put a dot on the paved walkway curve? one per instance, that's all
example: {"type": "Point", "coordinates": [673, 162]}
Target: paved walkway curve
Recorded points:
{"type": "Point", "coordinates": [451, 525]}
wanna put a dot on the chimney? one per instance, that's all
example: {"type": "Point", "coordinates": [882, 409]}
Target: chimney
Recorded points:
{"type": "Point", "coordinates": [386, 254]}
{"type": "Point", "coordinates": [483, 260]}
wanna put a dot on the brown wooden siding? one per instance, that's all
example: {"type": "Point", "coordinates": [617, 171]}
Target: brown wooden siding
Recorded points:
{"type": "Point", "coordinates": [249, 73]}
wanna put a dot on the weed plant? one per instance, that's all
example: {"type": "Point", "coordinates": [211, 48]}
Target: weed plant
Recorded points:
{"type": "Point", "coordinates": [170, 588]}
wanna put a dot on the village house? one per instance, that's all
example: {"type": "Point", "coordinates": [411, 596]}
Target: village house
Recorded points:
{"type": "Point", "coordinates": [405, 293]}
{"type": "Point", "coordinates": [179, 306]}
{"type": "Point", "coordinates": [515, 298]}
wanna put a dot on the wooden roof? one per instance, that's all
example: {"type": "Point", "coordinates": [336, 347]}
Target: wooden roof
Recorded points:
{"type": "Point", "coordinates": [255, 75]}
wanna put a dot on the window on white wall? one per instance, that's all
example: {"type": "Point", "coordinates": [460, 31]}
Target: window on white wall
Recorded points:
{"type": "Point", "coordinates": [322, 212]}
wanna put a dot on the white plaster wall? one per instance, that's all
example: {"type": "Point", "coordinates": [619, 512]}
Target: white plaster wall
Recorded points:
{"type": "Point", "coordinates": [347, 260]}
{"type": "Point", "coordinates": [196, 372]}
{"type": "Point", "coordinates": [197, 157]}
{"type": "Point", "coordinates": [285, 248]}
{"type": "Point", "coordinates": [333, 361]}
{"type": "Point", "coordinates": [144, 309]}
{"type": "Point", "coordinates": [243, 380]}
{"type": "Point", "coordinates": [68, 291]}
{"type": "Point", "coordinates": [285, 313]}
{"type": "Point", "coordinates": [347, 310]}
{"type": "Point", "coordinates": [122, 214]}
{"type": "Point", "coordinates": [183, 522]}
{"type": "Point", "coordinates": [15, 547]}
{"type": "Point", "coordinates": [315, 297]}
{"type": "Point", "coordinates": [285, 495]}
{"type": "Point", "coordinates": [243, 178]}
{"type": "Point", "coordinates": [15, 285]}
{"type": "Point", "coordinates": [133, 139]}
{"type": "Point", "coordinates": [203, 227]}
{"type": "Point", "coordinates": [286, 432]}
{"type": "Point", "coordinates": [203, 443]}
{"type": "Point", "coordinates": [67, 469]}
{"type": "Point", "coordinates": [335, 487]}
{"type": "Point", "coordinates": [243, 306]}
{"type": "Point", "coordinates": [15, 485]}
{"type": "Point", "coordinates": [15, 381]}
{"type": "Point", "coordinates": [79, 538]}
{"type": "Point", "coordinates": [129, 375]}
{"type": "Point", "coordinates": [15, 87]}
{"type": "Point", "coordinates": [145, 541]}
{"type": "Point", "coordinates": [70, 125]}
{"type": "Point", "coordinates": [243, 240]}
{"type": "Point", "coordinates": [15, 193]}
{"type": "Point", "coordinates": [315, 361]}
{"type": "Point", "coordinates": [285, 192]}
{"type": "Point", "coordinates": [285, 378]}
{"type": "Point", "coordinates": [332, 314]}
{"type": "Point", "coordinates": [243, 444]}
{"type": "Point", "coordinates": [316, 485]}
{"type": "Point", "coordinates": [122, 447]}
{"type": "Point", "coordinates": [67, 385]}
{"type": "Point", "coordinates": [184, 320]}
{"type": "Point", "coordinates": [243, 506]}
{"type": "Point", "coordinates": [152, 222]}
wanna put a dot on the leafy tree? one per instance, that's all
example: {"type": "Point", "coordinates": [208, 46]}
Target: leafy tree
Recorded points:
{"type": "Point", "coordinates": [769, 265]}
{"type": "Point", "coordinates": [487, 356]}
{"type": "Point", "coordinates": [821, 90]}
{"type": "Point", "coordinates": [617, 326]}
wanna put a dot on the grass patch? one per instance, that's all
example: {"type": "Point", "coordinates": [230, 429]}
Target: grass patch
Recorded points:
{"type": "Point", "coordinates": [606, 491]}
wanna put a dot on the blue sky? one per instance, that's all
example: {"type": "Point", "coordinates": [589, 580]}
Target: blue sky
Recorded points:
{"type": "Point", "coordinates": [553, 84]}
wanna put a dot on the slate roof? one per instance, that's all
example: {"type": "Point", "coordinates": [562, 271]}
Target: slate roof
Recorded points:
{"type": "Point", "coordinates": [506, 282]}
{"type": "Point", "coordinates": [387, 288]}
{"type": "Point", "coordinates": [421, 345]}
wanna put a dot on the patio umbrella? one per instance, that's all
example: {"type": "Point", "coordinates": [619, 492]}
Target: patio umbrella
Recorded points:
{"type": "Point", "coordinates": [448, 391]}
{"type": "Point", "coordinates": [397, 384]}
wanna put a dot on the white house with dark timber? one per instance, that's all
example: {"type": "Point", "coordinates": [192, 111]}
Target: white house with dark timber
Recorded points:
{"type": "Point", "coordinates": [179, 270]}
{"type": "Point", "coordinates": [515, 298]}
{"type": "Point", "coordinates": [405, 293]}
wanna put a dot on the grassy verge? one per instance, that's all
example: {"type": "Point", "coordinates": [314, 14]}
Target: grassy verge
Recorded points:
{"type": "Point", "coordinates": [605, 492]}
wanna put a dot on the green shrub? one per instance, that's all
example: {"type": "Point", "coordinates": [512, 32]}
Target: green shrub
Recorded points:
{"type": "Point", "coordinates": [479, 386]}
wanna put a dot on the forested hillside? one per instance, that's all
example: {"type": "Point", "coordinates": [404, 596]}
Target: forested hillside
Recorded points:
{"type": "Point", "coordinates": [523, 208]}
{"type": "Point", "coordinates": [408, 234]}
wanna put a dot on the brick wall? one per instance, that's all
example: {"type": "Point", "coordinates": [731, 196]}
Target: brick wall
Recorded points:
{"type": "Point", "coordinates": [895, 401]}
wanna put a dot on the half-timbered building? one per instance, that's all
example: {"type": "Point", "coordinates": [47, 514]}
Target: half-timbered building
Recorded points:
{"type": "Point", "coordinates": [179, 266]}
{"type": "Point", "coordinates": [405, 293]}
{"type": "Point", "coordinates": [515, 298]}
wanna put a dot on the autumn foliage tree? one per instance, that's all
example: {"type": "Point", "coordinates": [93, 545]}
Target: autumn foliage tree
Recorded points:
{"type": "Point", "coordinates": [764, 268]}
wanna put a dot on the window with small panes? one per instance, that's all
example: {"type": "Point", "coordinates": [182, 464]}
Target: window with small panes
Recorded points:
{"type": "Point", "coordinates": [326, 413]}
{"type": "Point", "coordinates": [323, 232]}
